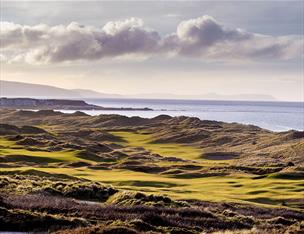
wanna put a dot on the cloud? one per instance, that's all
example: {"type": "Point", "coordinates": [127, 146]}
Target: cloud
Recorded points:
{"type": "Point", "coordinates": [205, 31]}
{"type": "Point", "coordinates": [43, 44]}
{"type": "Point", "coordinates": [203, 38]}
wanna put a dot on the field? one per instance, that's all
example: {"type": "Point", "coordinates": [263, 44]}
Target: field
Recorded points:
{"type": "Point", "coordinates": [152, 161]}
{"type": "Point", "coordinates": [237, 187]}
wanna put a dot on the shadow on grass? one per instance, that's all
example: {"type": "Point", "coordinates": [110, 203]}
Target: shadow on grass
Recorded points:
{"type": "Point", "coordinates": [139, 183]}
{"type": "Point", "coordinates": [196, 175]}
{"type": "Point", "coordinates": [292, 203]}
{"type": "Point", "coordinates": [93, 157]}
{"type": "Point", "coordinates": [220, 155]}
{"type": "Point", "coordinates": [39, 173]}
{"type": "Point", "coordinates": [26, 158]}
{"type": "Point", "coordinates": [257, 192]}
{"type": "Point", "coordinates": [264, 200]}
{"type": "Point", "coordinates": [288, 175]}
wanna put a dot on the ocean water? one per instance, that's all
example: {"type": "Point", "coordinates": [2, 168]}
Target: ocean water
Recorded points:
{"type": "Point", "coordinates": [275, 116]}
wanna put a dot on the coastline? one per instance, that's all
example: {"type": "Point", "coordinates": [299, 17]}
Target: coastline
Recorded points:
{"type": "Point", "coordinates": [57, 104]}
{"type": "Point", "coordinates": [274, 116]}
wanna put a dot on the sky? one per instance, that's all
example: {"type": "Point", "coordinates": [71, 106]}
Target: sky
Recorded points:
{"type": "Point", "coordinates": [177, 47]}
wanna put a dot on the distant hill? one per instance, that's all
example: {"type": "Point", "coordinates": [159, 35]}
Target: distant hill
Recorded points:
{"type": "Point", "coordinates": [210, 96]}
{"type": "Point", "coordinates": [86, 93]}
{"type": "Point", "coordinates": [20, 89]}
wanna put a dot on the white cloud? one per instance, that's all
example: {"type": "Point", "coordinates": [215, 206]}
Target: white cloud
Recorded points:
{"type": "Point", "coordinates": [203, 37]}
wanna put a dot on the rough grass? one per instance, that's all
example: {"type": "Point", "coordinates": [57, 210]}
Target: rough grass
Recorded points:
{"type": "Point", "coordinates": [38, 212]}
{"type": "Point", "coordinates": [169, 175]}
{"type": "Point", "coordinates": [234, 188]}
{"type": "Point", "coordinates": [189, 184]}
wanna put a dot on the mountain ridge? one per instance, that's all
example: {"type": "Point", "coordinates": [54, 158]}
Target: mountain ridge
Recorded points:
{"type": "Point", "coordinates": [22, 89]}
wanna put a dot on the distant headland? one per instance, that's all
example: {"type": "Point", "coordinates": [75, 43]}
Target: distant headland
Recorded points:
{"type": "Point", "coordinates": [56, 104]}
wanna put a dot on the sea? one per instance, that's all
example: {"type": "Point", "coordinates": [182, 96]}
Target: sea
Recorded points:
{"type": "Point", "coordinates": [274, 116]}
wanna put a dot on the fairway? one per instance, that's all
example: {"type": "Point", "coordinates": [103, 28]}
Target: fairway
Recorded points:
{"type": "Point", "coordinates": [192, 184]}
{"type": "Point", "coordinates": [14, 152]}
{"type": "Point", "coordinates": [233, 188]}
{"type": "Point", "coordinates": [182, 151]}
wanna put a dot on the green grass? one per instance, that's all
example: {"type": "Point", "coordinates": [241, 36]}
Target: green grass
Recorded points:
{"type": "Point", "coordinates": [164, 149]}
{"type": "Point", "coordinates": [182, 151]}
{"type": "Point", "coordinates": [17, 152]}
{"type": "Point", "coordinates": [236, 187]}
{"type": "Point", "coordinates": [211, 188]}
{"type": "Point", "coordinates": [267, 190]}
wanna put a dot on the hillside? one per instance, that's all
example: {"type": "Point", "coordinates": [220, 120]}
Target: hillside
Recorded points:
{"type": "Point", "coordinates": [159, 175]}
{"type": "Point", "coordinates": [20, 89]}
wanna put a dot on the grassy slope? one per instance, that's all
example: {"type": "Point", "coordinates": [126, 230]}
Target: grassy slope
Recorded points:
{"type": "Point", "coordinates": [182, 151]}
{"type": "Point", "coordinates": [168, 150]}
{"type": "Point", "coordinates": [9, 148]}
{"type": "Point", "coordinates": [235, 187]}
{"type": "Point", "coordinates": [229, 188]}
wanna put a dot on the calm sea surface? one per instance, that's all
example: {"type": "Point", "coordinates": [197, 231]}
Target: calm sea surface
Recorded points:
{"type": "Point", "coordinates": [276, 116]}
